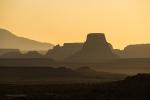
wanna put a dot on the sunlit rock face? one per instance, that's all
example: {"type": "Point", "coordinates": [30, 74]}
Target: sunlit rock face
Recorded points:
{"type": "Point", "coordinates": [95, 49]}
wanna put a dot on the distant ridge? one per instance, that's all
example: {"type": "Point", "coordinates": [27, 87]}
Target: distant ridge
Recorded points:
{"type": "Point", "coordinates": [134, 51]}
{"type": "Point", "coordinates": [10, 41]}
{"type": "Point", "coordinates": [59, 74]}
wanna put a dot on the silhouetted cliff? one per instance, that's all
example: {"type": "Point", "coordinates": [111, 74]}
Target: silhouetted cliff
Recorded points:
{"type": "Point", "coordinates": [134, 51]}
{"type": "Point", "coordinates": [62, 52]}
{"type": "Point", "coordinates": [95, 49]}
{"type": "Point", "coordinates": [137, 51]}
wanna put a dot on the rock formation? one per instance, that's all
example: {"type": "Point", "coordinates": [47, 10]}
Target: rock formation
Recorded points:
{"type": "Point", "coordinates": [95, 49]}
{"type": "Point", "coordinates": [134, 51]}
{"type": "Point", "coordinates": [62, 52]}
{"type": "Point", "coordinates": [137, 51]}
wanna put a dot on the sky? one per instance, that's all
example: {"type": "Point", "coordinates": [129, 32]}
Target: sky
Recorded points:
{"type": "Point", "coordinates": [124, 22]}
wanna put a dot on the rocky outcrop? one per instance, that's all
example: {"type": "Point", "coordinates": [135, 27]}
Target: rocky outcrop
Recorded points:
{"type": "Point", "coordinates": [134, 51]}
{"type": "Point", "coordinates": [137, 51]}
{"type": "Point", "coordinates": [95, 49]}
{"type": "Point", "coordinates": [62, 52]}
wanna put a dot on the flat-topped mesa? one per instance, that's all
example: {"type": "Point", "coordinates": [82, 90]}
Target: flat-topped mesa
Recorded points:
{"type": "Point", "coordinates": [96, 37]}
{"type": "Point", "coordinates": [95, 41]}
{"type": "Point", "coordinates": [95, 49]}
{"type": "Point", "coordinates": [62, 52]}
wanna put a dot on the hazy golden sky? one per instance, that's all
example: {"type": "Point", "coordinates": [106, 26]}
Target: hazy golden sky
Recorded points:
{"type": "Point", "coordinates": [57, 21]}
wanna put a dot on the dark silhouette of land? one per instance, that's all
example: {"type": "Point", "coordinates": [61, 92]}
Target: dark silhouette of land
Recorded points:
{"type": "Point", "coordinates": [69, 49]}
{"type": "Point", "coordinates": [131, 88]}
{"type": "Point", "coordinates": [91, 70]}
{"type": "Point", "coordinates": [135, 51]}
{"type": "Point", "coordinates": [123, 66]}
{"type": "Point", "coordinates": [50, 75]}
{"type": "Point", "coordinates": [96, 53]}
{"type": "Point", "coordinates": [10, 41]}
{"type": "Point", "coordinates": [95, 49]}
{"type": "Point", "coordinates": [62, 52]}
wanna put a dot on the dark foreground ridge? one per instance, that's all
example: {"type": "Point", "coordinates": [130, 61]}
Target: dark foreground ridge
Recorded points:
{"type": "Point", "coordinates": [50, 75]}
{"type": "Point", "coordinates": [132, 88]}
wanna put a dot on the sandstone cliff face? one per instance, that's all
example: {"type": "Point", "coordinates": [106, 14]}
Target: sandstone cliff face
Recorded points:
{"type": "Point", "coordinates": [95, 49]}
